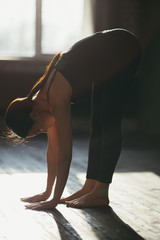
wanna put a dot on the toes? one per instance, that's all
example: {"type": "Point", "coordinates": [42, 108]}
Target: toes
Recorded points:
{"type": "Point", "coordinates": [26, 200]}
{"type": "Point", "coordinates": [72, 203]}
{"type": "Point", "coordinates": [75, 203]}
{"type": "Point", "coordinates": [69, 203]}
{"type": "Point", "coordinates": [86, 201]}
{"type": "Point", "coordinates": [62, 200]}
{"type": "Point", "coordinates": [23, 199]}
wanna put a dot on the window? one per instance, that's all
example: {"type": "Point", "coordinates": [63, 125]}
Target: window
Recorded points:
{"type": "Point", "coordinates": [34, 28]}
{"type": "Point", "coordinates": [17, 28]}
{"type": "Point", "coordinates": [61, 24]}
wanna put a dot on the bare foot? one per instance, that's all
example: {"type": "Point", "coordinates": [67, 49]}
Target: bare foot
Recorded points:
{"type": "Point", "coordinates": [88, 200]}
{"type": "Point", "coordinates": [97, 197]}
{"type": "Point", "coordinates": [88, 187]}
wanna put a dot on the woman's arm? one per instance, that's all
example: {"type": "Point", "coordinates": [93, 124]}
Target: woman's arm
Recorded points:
{"type": "Point", "coordinates": [59, 141]}
{"type": "Point", "coordinates": [60, 96]}
{"type": "Point", "coordinates": [52, 155]}
{"type": "Point", "coordinates": [59, 151]}
{"type": "Point", "coordinates": [62, 114]}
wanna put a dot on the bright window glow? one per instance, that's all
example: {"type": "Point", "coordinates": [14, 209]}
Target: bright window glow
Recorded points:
{"type": "Point", "coordinates": [17, 27]}
{"type": "Point", "coordinates": [61, 24]}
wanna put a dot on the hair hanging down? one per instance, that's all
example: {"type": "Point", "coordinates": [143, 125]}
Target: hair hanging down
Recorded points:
{"type": "Point", "coordinates": [17, 116]}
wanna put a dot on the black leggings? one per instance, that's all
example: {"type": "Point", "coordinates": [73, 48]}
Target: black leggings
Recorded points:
{"type": "Point", "coordinates": [108, 102]}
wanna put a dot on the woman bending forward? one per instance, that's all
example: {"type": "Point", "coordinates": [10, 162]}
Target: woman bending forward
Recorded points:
{"type": "Point", "coordinates": [104, 63]}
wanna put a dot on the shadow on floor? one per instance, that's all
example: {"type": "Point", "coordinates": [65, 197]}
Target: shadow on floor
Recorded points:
{"type": "Point", "coordinates": [66, 230]}
{"type": "Point", "coordinates": [103, 221]}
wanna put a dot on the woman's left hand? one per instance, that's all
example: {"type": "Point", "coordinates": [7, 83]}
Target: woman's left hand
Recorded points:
{"type": "Point", "coordinates": [42, 206]}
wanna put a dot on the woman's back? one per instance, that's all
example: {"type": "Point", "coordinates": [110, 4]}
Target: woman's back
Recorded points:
{"type": "Point", "coordinates": [99, 57]}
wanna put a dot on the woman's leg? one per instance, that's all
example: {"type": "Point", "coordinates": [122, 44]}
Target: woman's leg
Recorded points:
{"type": "Point", "coordinates": [95, 146]}
{"type": "Point", "coordinates": [114, 102]}
{"type": "Point", "coordinates": [111, 137]}
{"type": "Point", "coordinates": [105, 144]}
{"type": "Point", "coordinates": [93, 192]}
{"type": "Point", "coordinates": [109, 147]}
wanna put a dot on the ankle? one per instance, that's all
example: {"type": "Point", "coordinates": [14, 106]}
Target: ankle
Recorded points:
{"type": "Point", "coordinates": [101, 190]}
{"type": "Point", "coordinates": [89, 184]}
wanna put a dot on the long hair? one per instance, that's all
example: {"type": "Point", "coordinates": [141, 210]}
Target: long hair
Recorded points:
{"type": "Point", "coordinates": [17, 116]}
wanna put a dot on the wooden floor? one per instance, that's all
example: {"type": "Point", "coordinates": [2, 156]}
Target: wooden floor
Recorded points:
{"type": "Point", "coordinates": [134, 211]}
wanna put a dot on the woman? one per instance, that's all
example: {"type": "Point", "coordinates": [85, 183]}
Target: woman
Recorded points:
{"type": "Point", "coordinates": [105, 63]}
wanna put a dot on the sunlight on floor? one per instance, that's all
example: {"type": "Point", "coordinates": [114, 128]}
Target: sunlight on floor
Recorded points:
{"type": "Point", "coordinates": [22, 183]}
{"type": "Point", "coordinates": [16, 220]}
{"type": "Point", "coordinates": [19, 184]}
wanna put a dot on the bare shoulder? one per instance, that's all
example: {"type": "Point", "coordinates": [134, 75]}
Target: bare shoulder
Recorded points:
{"type": "Point", "coordinates": [60, 90]}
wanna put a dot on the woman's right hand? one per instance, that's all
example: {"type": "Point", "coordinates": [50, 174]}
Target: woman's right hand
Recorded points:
{"type": "Point", "coordinates": [37, 198]}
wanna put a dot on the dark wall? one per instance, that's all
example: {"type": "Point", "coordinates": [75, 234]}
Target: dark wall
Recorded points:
{"type": "Point", "coordinates": [17, 78]}
{"type": "Point", "coordinates": [142, 17]}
